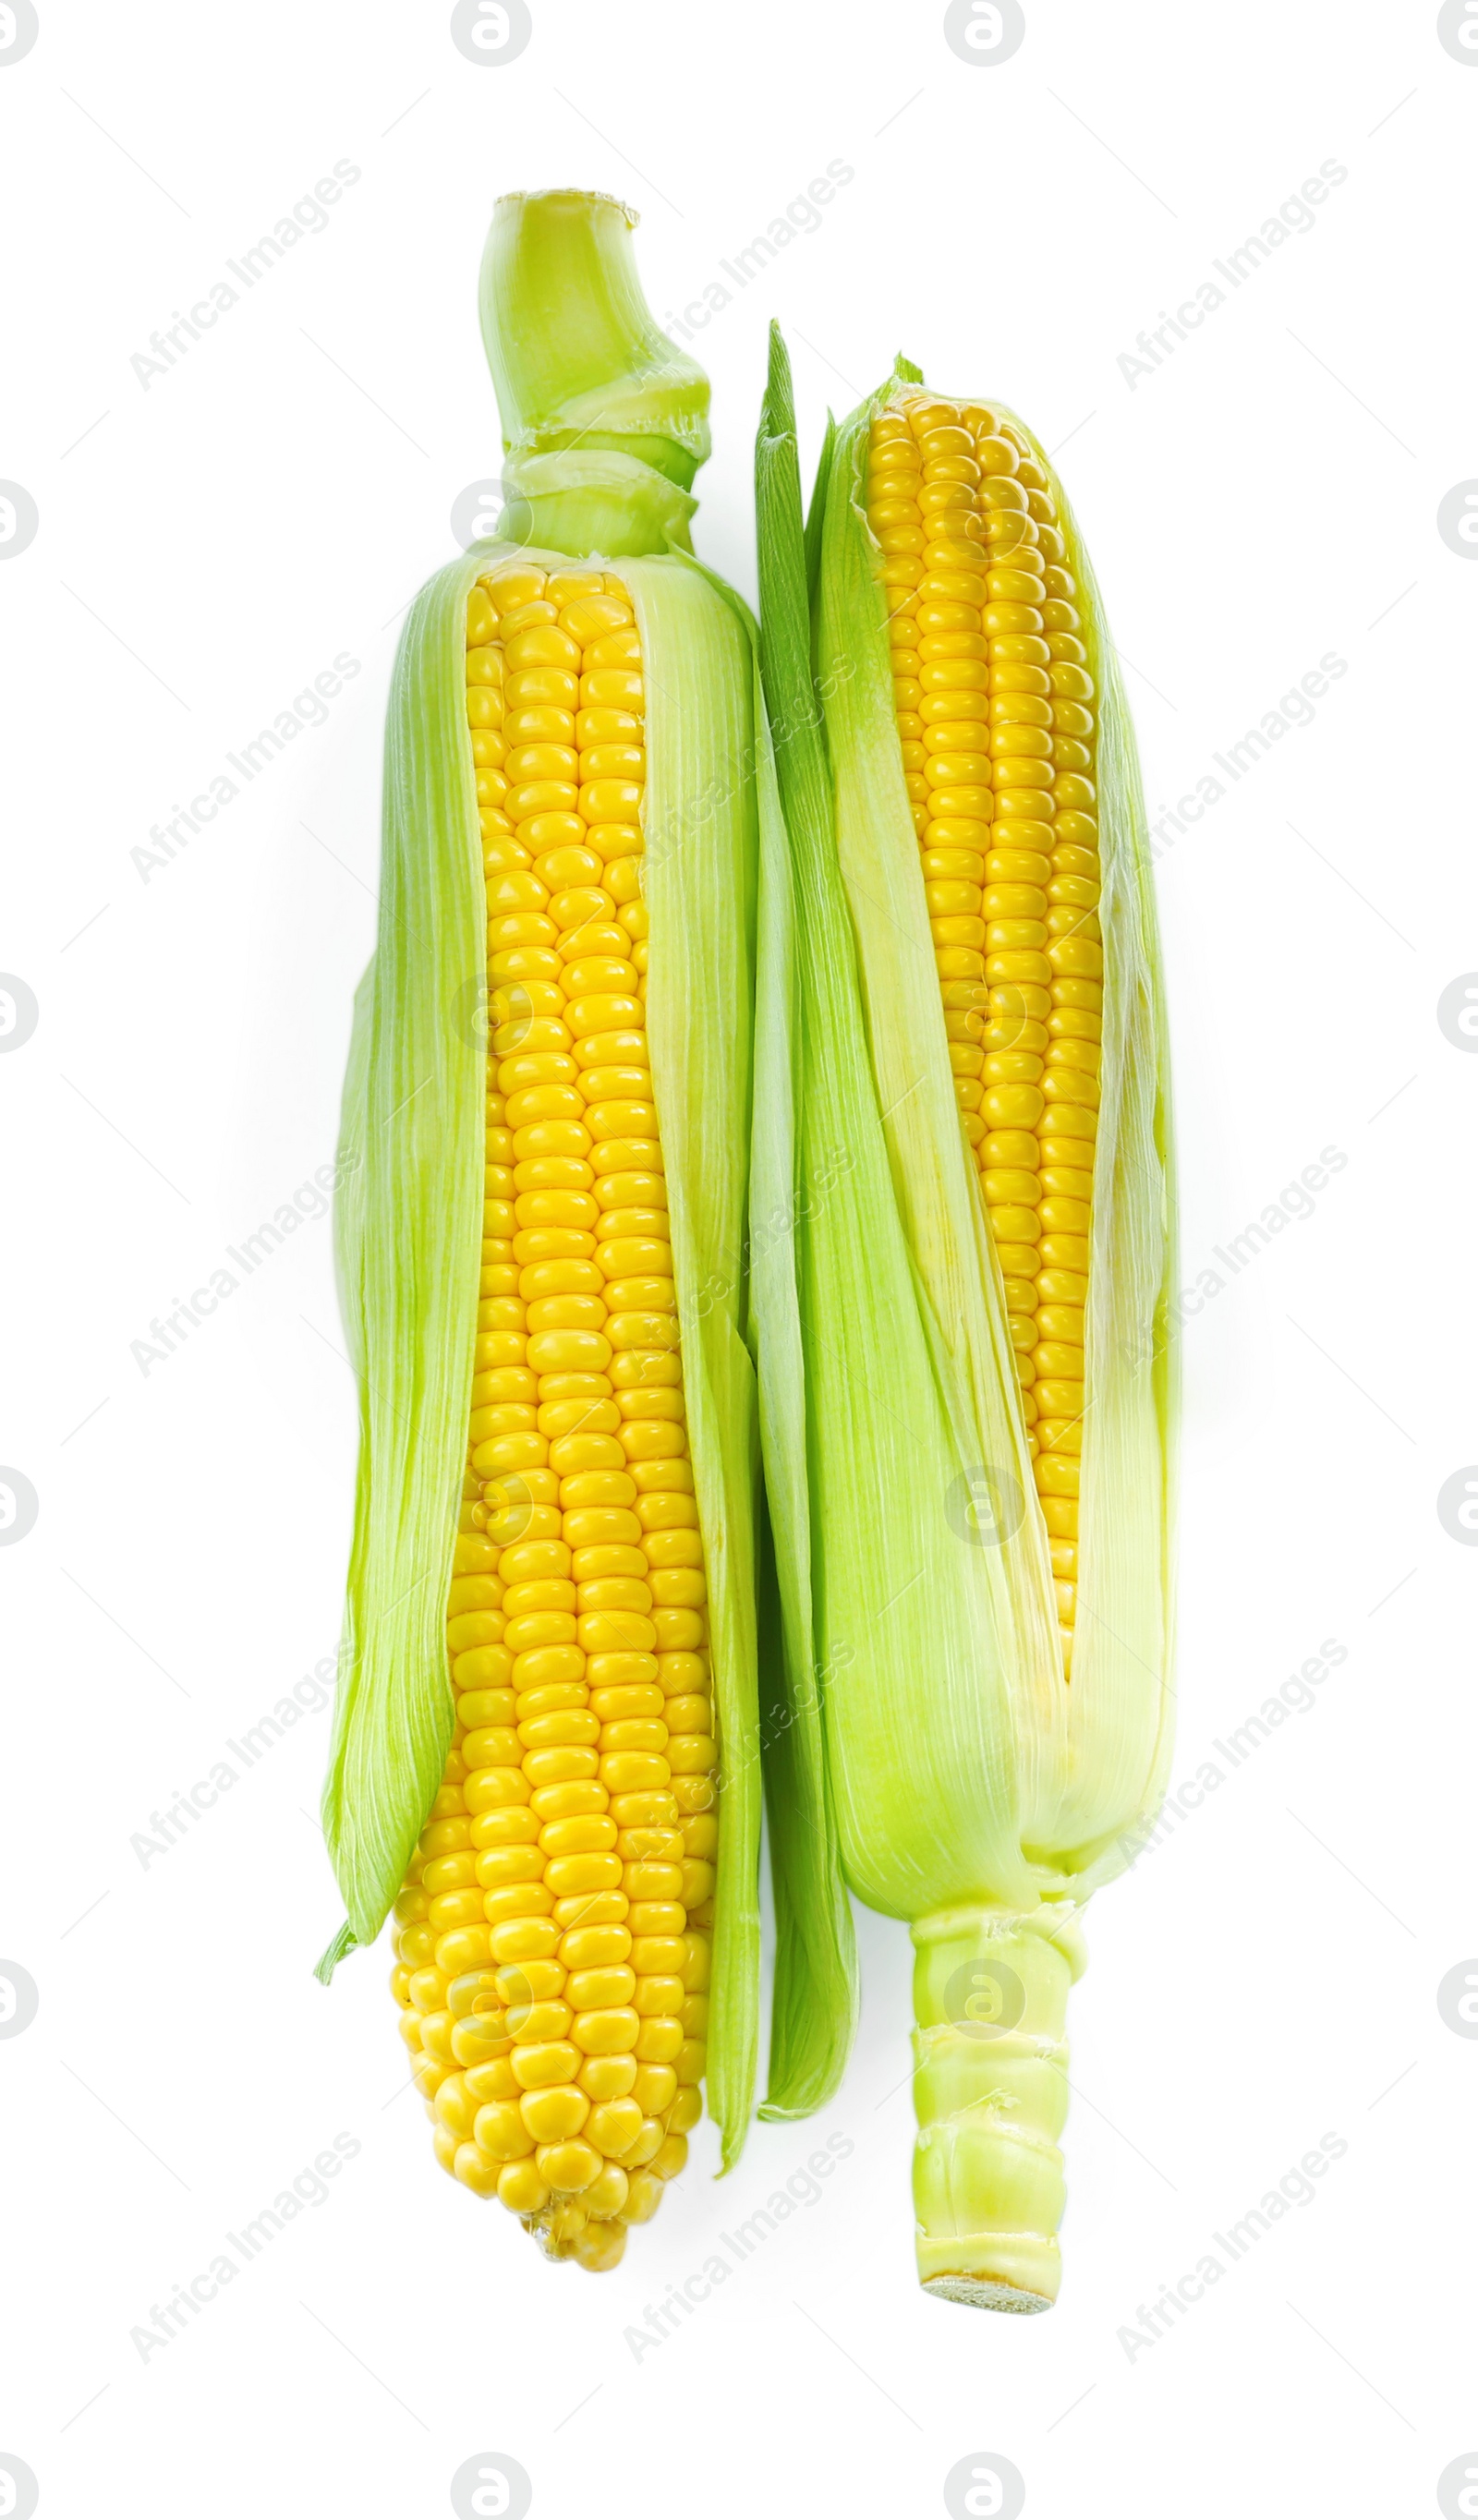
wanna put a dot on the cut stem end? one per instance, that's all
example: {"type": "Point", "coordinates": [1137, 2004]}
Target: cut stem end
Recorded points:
{"type": "Point", "coordinates": [982, 2292]}
{"type": "Point", "coordinates": [605, 419]}
{"type": "Point", "coordinates": [990, 2090]}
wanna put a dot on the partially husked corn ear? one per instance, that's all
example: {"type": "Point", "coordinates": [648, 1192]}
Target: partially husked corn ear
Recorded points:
{"type": "Point", "coordinates": [996, 728]}
{"type": "Point", "coordinates": [554, 1938]}
{"type": "Point", "coordinates": [551, 1647]}
{"type": "Point", "coordinates": [967, 1389]}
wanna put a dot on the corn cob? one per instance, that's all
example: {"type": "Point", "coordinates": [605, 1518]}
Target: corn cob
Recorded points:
{"type": "Point", "coordinates": [970, 1475]}
{"type": "Point", "coordinates": [581, 1668]}
{"type": "Point", "coordinates": [566, 1852]}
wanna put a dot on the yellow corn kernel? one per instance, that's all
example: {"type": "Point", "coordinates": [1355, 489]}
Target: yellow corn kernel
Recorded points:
{"type": "Point", "coordinates": [499, 2130]}
{"type": "Point", "coordinates": [644, 2194]}
{"type": "Point", "coordinates": [568, 2168]}
{"type": "Point", "coordinates": [608, 2077]}
{"type": "Point", "coordinates": [521, 2187]}
{"type": "Point", "coordinates": [613, 2127]}
{"type": "Point", "coordinates": [553, 2114]}
{"type": "Point", "coordinates": [606, 2193]}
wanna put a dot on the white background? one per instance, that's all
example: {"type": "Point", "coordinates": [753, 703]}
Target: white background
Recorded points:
{"type": "Point", "coordinates": [1267, 1975]}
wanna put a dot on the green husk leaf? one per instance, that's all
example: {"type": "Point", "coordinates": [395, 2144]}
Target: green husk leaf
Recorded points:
{"type": "Point", "coordinates": [407, 1230]}
{"type": "Point", "coordinates": [816, 512]}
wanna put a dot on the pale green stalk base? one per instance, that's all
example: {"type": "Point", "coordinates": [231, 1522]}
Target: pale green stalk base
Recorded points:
{"type": "Point", "coordinates": [990, 2090]}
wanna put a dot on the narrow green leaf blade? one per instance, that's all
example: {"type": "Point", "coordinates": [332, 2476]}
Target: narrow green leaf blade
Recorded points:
{"type": "Point", "coordinates": [815, 2003]}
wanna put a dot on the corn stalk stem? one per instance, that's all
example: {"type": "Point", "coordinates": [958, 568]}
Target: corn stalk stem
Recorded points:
{"type": "Point", "coordinates": [990, 2092]}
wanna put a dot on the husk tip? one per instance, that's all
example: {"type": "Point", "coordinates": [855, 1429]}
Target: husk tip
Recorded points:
{"type": "Point", "coordinates": [777, 414]}
{"type": "Point", "coordinates": [344, 1942]}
